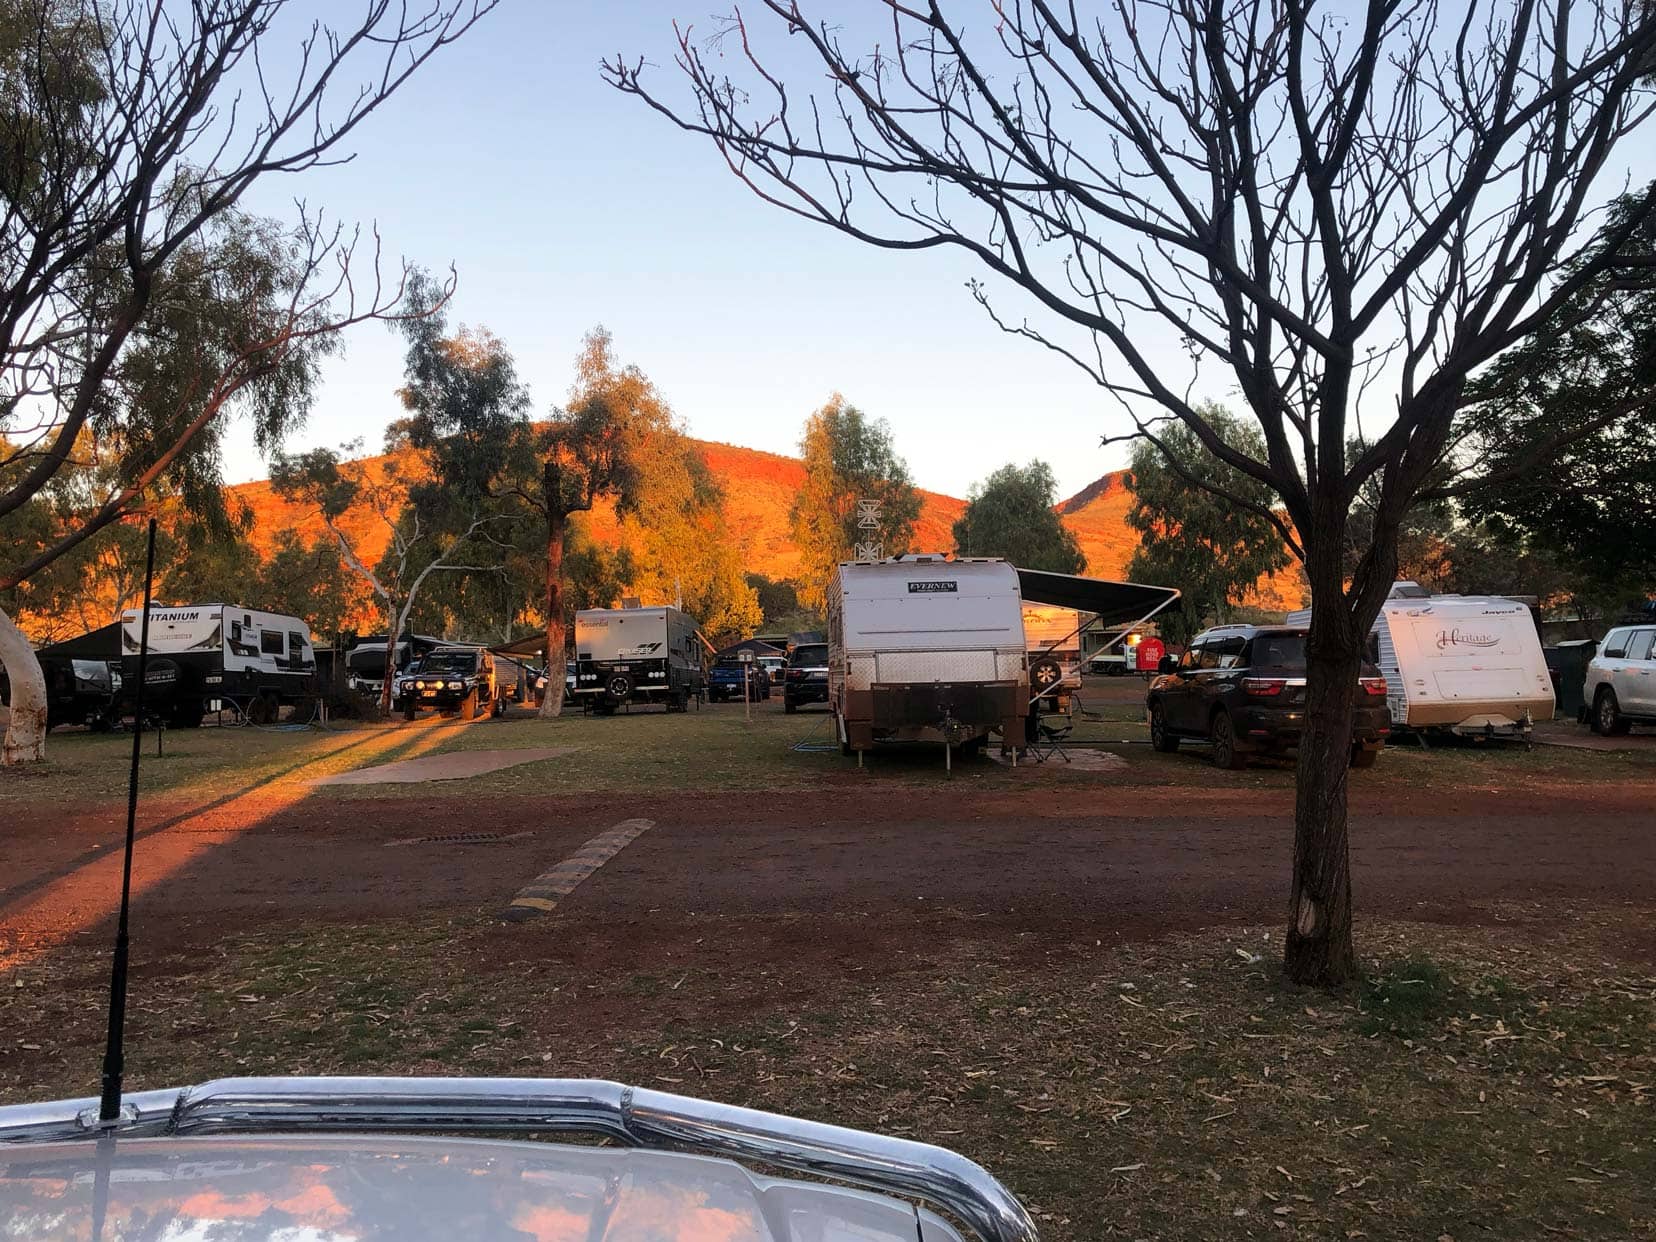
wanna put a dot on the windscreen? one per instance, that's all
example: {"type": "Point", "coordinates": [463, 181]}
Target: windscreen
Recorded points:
{"type": "Point", "coordinates": [810, 656]}
{"type": "Point", "coordinates": [449, 662]}
{"type": "Point", "coordinates": [1279, 651]}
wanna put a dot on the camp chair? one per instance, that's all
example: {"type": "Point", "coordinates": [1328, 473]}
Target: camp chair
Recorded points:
{"type": "Point", "coordinates": [1049, 732]}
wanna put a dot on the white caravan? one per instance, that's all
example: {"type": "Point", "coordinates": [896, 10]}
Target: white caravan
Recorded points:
{"type": "Point", "coordinates": [624, 655]}
{"type": "Point", "coordinates": [200, 652]}
{"type": "Point", "coordinates": [1464, 663]}
{"type": "Point", "coordinates": [925, 648]}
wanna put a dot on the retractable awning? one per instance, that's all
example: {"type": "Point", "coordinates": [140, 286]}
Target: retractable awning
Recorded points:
{"type": "Point", "coordinates": [1114, 602]}
{"type": "Point", "coordinates": [103, 643]}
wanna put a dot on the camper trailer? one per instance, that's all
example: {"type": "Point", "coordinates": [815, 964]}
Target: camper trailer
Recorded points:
{"type": "Point", "coordinates": [1052, 635]}
{"type": "Point", "coordinates": [202, 653]}
{"type": "Point", "coordinates": [636, 655]}
{"type": "Point", "coordinates": [1469, 664]}
{"type": "Point", "coordinates": [921, 648]}
{"type": "Point", "coordinates": [365, 662]}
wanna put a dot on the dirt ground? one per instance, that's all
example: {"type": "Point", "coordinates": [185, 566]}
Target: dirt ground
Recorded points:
{"type": "Point", "coordinates": [898, 917]}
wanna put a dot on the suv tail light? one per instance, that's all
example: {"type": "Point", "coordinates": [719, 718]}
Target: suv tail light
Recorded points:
{"type": "Point", "coordinates": [1264, 687]}
{"type": "Point", "coordinates": [796, 674]}
{"type": "Point", "coordinates": [1372, 685]}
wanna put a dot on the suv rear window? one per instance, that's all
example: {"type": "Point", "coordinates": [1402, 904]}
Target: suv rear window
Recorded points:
{"type": "Point", "coordinates": [1278, 651]}
{"type": "Point", "coordinates": [809, 657]}
{"type": "Point", "coordinates": [1639, 648]}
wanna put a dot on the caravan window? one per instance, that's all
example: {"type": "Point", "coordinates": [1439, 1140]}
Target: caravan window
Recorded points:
{"type": "Point", "coordinates": [235, 632]}
{"type": "Point", "coordinates": [296, 643]}
{"type": "Point", "coordinates": [270, 642]}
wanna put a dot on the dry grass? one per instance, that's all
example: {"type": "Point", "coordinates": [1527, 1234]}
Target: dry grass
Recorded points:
{"type": "Point", "coordinates": [1484, 1083]}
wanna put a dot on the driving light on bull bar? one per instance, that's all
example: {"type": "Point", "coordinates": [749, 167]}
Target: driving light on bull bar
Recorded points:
{"type": "Point", "coordinates": [455, 685]}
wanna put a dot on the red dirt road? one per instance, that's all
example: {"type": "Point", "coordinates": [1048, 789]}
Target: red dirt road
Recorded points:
{"type": "Point", "coordinates": [1135, 862]}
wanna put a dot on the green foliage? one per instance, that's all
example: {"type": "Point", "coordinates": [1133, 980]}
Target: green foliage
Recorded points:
{"type": "Point", "coordinates": [777, 599]}
{"type": "Point", "coordinates": [1589, 508]}
{"type": "Point", "coordinates": [1011, 515]}
{"type": "Point", "coordinates": [848, 457]}
{"type": "Point", "coordinates": [1192, 539]}
{"type": "Point", "coordinates": [1406, 998]}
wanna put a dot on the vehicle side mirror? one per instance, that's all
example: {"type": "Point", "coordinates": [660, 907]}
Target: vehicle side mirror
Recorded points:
{"type": "Point", "coordinates": [1167, 664]}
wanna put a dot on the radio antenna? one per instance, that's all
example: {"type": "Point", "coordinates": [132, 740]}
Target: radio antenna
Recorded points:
{"type": "Point", "coordinates": [114, 1064]}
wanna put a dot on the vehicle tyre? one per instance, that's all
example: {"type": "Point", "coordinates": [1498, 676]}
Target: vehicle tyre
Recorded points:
{"type": "Point", "coordinates": [1160, 738]}
{"type": "Point", "coordinates": [186, 715]}
{"type": "Point", "coordinates": [499, 706]}
{"type": "Point", "coordinates": [789, 706]}
{"type": "Point", "coordinates": [1364, 756]}
{"type": "Point", "coordinates": [1044, 674]}
{"type": "Point", "coordinates": [1222, 736]}
{"type": "Point", "coordinates": [1607, 718]}
{"type": "Point", "coordinates": [619, 687]}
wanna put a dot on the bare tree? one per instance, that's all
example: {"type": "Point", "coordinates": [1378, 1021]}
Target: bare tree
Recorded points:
{"type": "Point", "coordinates": [128, 130]}
{"type": "Point", "coordinates": [1338, 214]}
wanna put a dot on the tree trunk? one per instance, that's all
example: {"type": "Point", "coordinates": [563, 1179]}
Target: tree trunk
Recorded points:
{"type": "Point", "coordinates": [391, 623]}
{"type": "Point", "coordinates": [556, 665]}
{"type": "Point", "coordinates": [1319, 950]}
{"type": "Point", "coordinates": [26, 734]}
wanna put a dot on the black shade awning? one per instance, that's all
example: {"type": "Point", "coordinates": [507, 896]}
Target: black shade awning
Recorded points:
{"type": "Point", "coordinates": [103, 643]}
{"type": "Point", "coordinates": [1114, 602]}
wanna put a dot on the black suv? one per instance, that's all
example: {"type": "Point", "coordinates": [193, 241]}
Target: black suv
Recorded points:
{"type": "Point", "coordinates": [451, 680]}
{"type": "Point", "coordinates": [806, 680]}
{"type": "Point", "coordinates": [1242, 689]}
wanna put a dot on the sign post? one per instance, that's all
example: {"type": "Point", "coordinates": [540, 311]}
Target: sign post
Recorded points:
{"type": "Point", "coordinates": [747, 687]}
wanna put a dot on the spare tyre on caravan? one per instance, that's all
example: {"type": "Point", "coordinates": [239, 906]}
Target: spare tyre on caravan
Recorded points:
{"type": "Point", "coordinates": [922, 648]}
{"type": "Point", "coordinates": [1467, 664]}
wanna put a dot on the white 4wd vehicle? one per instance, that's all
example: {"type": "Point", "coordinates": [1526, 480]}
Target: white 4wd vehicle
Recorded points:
{"type": "Point", "coordinates": [1621, 681]}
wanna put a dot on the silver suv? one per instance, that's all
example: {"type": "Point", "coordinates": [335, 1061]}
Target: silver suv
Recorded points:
{"type": "Point", "coordinates": [1621, 680]}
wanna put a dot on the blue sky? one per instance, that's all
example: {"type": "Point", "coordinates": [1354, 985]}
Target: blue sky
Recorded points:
{"type": "Point", "coordinates": [565, 204]}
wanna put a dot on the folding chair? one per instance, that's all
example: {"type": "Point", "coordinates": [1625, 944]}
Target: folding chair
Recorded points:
{"type": "Point", "coordinates": [1047, 739]}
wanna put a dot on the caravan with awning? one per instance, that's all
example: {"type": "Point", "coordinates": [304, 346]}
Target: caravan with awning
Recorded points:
{"type": "Point", "coordinates": [925, 648]}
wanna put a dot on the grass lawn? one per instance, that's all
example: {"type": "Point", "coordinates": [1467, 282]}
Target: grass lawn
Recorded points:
{"type": "Point", "coordinates": [1483, 1083]}
{"type": "Point", "coordinates": [716, 749]}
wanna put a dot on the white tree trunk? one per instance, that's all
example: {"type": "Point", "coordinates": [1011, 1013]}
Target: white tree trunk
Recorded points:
{"type": "Point", "coordinates": [26, 734]}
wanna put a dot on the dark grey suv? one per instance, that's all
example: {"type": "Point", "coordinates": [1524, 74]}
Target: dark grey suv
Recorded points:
{"type": "Point", "coordinates": [1241, 688]}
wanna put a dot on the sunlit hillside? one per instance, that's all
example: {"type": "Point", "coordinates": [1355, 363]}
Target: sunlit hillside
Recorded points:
{"type": "Point", "coordinates": [759, 490]}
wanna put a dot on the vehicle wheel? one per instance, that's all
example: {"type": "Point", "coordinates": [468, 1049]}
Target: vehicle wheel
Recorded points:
{"type": "Point", "coordinates": [499, 706]}
{"type": "Point", "coordinates": [1160, 738]}
{"type": "Point", "coordinates": [619, 687]}
{"type": "Point", "coordinates": [1222, 735]}
{"type": "Point", "coordinates": [1607, 718]}
{"type": "Point", "coordinates": [1364, 756]}
{"type": "Point", "coordinates": [1044, 674]}
{"type": "Point", "coordinates": [789, 706]}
